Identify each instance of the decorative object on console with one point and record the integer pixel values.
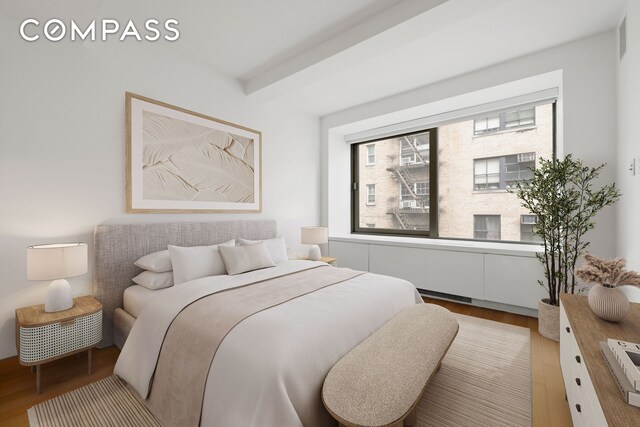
(180, 160)
(56, 262)
(605, 299)
(314, 236)
(562, 197)
(630, 394)
(628, 356)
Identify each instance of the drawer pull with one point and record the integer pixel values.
(578, 407)
(578, 359)
(578, 381)
(568, 330)
(67, 323)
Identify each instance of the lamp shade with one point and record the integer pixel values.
(56, 261)
(314, 235)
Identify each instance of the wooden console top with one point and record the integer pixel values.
(589, 330)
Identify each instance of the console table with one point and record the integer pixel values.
(593, 396)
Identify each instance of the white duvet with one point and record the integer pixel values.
(269, 369)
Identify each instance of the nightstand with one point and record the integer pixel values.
(43, 337)
(329, 260)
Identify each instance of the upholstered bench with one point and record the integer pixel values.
(380, 382)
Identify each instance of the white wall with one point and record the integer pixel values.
(587, 115)
(629, 140)
(62, 148)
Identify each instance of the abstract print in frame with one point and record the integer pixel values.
(182, 161)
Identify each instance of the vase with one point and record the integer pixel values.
(608, 303)
(549, 320)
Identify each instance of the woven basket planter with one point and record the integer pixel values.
(608, 303)
(549, 320)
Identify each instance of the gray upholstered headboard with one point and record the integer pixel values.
(118, 246)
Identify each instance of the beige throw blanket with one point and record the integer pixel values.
(191, 342)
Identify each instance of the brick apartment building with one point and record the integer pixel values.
(478, 161)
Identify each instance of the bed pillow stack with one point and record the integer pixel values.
(158, 272)
(179, 264)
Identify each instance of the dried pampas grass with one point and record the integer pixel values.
(607, 272)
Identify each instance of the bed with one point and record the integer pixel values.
(268, 368)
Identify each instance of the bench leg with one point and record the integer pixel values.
(412, 418)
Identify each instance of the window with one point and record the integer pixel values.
(505, 121)
(526, 117)
(403, 184)
(486, 174)
(486, 124)
(371, 194)
(486, 227)
(422, 188)
(413, 150)
(445, 182)
(527, 224)
(371, 154)
(519, 168)
(503, 172)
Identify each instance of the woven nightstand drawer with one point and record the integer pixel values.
(55, 339)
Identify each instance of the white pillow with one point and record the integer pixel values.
(240, 259)
(194, 262)
(277, 248)
(158, 262)
(153, 281)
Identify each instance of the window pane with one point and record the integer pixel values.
(493, 165)
(371, 154)
(475, 173)
(400, 177)
(486, 227)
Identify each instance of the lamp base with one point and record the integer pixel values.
(58, 296)
(314, 253)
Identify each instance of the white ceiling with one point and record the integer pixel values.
(325, 56)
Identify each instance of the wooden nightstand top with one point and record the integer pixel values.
(29, 317)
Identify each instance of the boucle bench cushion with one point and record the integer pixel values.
(379, 382)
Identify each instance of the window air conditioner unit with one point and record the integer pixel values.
(528, 219)
(408, 203)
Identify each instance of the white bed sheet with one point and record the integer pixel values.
(136, 298)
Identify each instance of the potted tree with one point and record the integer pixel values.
(562, 197)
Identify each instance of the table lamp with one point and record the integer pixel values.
(314, 236)
(56, 262)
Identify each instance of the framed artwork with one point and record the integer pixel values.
(180, 161)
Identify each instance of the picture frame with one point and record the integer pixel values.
(181, 161)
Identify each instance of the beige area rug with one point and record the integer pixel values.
(105, 403)
(485, 380)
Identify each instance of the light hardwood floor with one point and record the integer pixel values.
(17, 383)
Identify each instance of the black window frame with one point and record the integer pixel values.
(432, 233)
(356, 187)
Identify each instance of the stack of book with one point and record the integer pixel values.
(623, 359)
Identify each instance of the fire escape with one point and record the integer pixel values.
(410, 215)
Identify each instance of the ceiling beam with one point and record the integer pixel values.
(337, 52)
